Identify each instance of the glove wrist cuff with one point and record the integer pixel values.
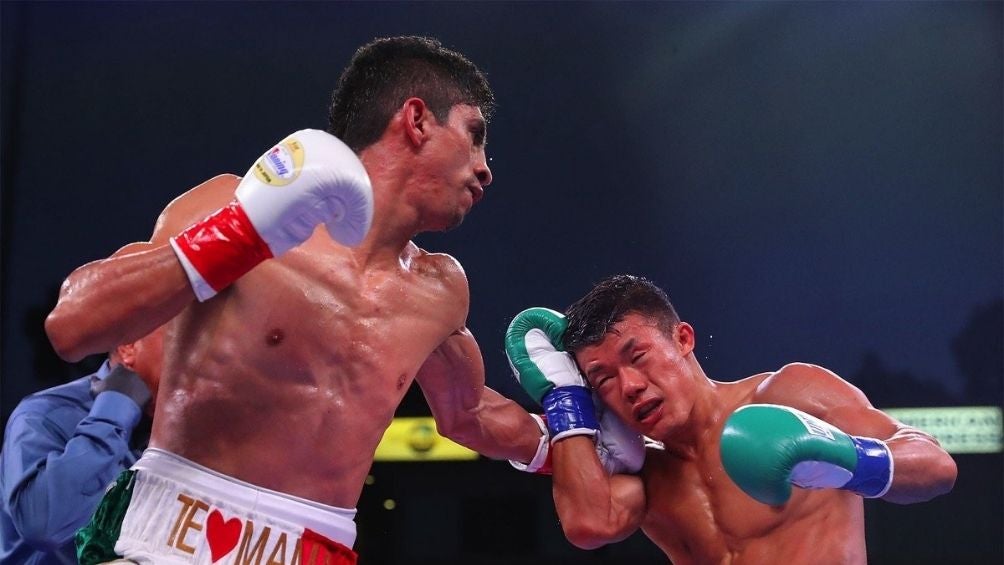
(874, 470)
(541, 462)
(570, 411)
(220, 249)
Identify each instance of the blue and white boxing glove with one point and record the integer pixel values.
(549, 375)
(766, 448)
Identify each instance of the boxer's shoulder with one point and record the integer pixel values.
(441, 282)
(790, 380)
(439, 267)
(807, 387)
(218, 188)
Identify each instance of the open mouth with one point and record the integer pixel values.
(646, 409)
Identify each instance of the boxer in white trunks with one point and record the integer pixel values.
(299, 313)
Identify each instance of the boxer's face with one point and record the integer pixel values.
(642, 374)
(454, 169)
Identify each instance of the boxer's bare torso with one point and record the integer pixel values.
(696, 514)
(683, 499)
(289, 377)
(643, 369)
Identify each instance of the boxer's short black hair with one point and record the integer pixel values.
(387, 71)
(593, 315)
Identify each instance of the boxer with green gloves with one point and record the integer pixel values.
(720, 490)
(767, 448)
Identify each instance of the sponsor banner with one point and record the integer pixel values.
(959, 429)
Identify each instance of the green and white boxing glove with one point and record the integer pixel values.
(533, 345)
(548, 374)
(766, 448)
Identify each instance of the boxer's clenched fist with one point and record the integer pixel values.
(309, 178)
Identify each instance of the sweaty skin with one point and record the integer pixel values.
(683, 500)
(697, 515)
(288, 378)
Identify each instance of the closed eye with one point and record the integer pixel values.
(600, 381)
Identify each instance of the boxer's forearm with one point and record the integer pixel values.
(922, 469)
(495, 427)
(117, 300)
(594, 508)
(467, 411)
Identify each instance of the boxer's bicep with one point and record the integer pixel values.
(453, 379)
(194, 205)
(467, 411)
(138, 288)
(454, 372)
(824, 394)
(922, 469)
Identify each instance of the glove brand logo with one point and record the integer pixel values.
(813, 426)
(279, 159)
(281, 164)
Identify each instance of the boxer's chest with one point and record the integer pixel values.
(322, 313)
(695, 505)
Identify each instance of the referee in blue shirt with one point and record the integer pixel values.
(64, 445)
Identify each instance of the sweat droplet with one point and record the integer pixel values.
(275, 337)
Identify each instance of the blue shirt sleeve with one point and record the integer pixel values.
(56, 466)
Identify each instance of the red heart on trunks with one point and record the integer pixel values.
(221, 535)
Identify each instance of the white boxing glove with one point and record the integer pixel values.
(620, 449)
(309, 178)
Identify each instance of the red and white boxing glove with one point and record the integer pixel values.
(309, 178)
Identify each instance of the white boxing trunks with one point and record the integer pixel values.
(181, 512)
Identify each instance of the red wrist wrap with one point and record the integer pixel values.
(546, 468)
(223, 246)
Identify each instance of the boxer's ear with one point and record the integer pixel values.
(416, 118)
(683, 334)
(126, 354)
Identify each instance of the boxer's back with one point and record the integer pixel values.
(288, 378)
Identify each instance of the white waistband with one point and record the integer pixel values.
(330, 521)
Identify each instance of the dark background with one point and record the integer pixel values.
(809, 181)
